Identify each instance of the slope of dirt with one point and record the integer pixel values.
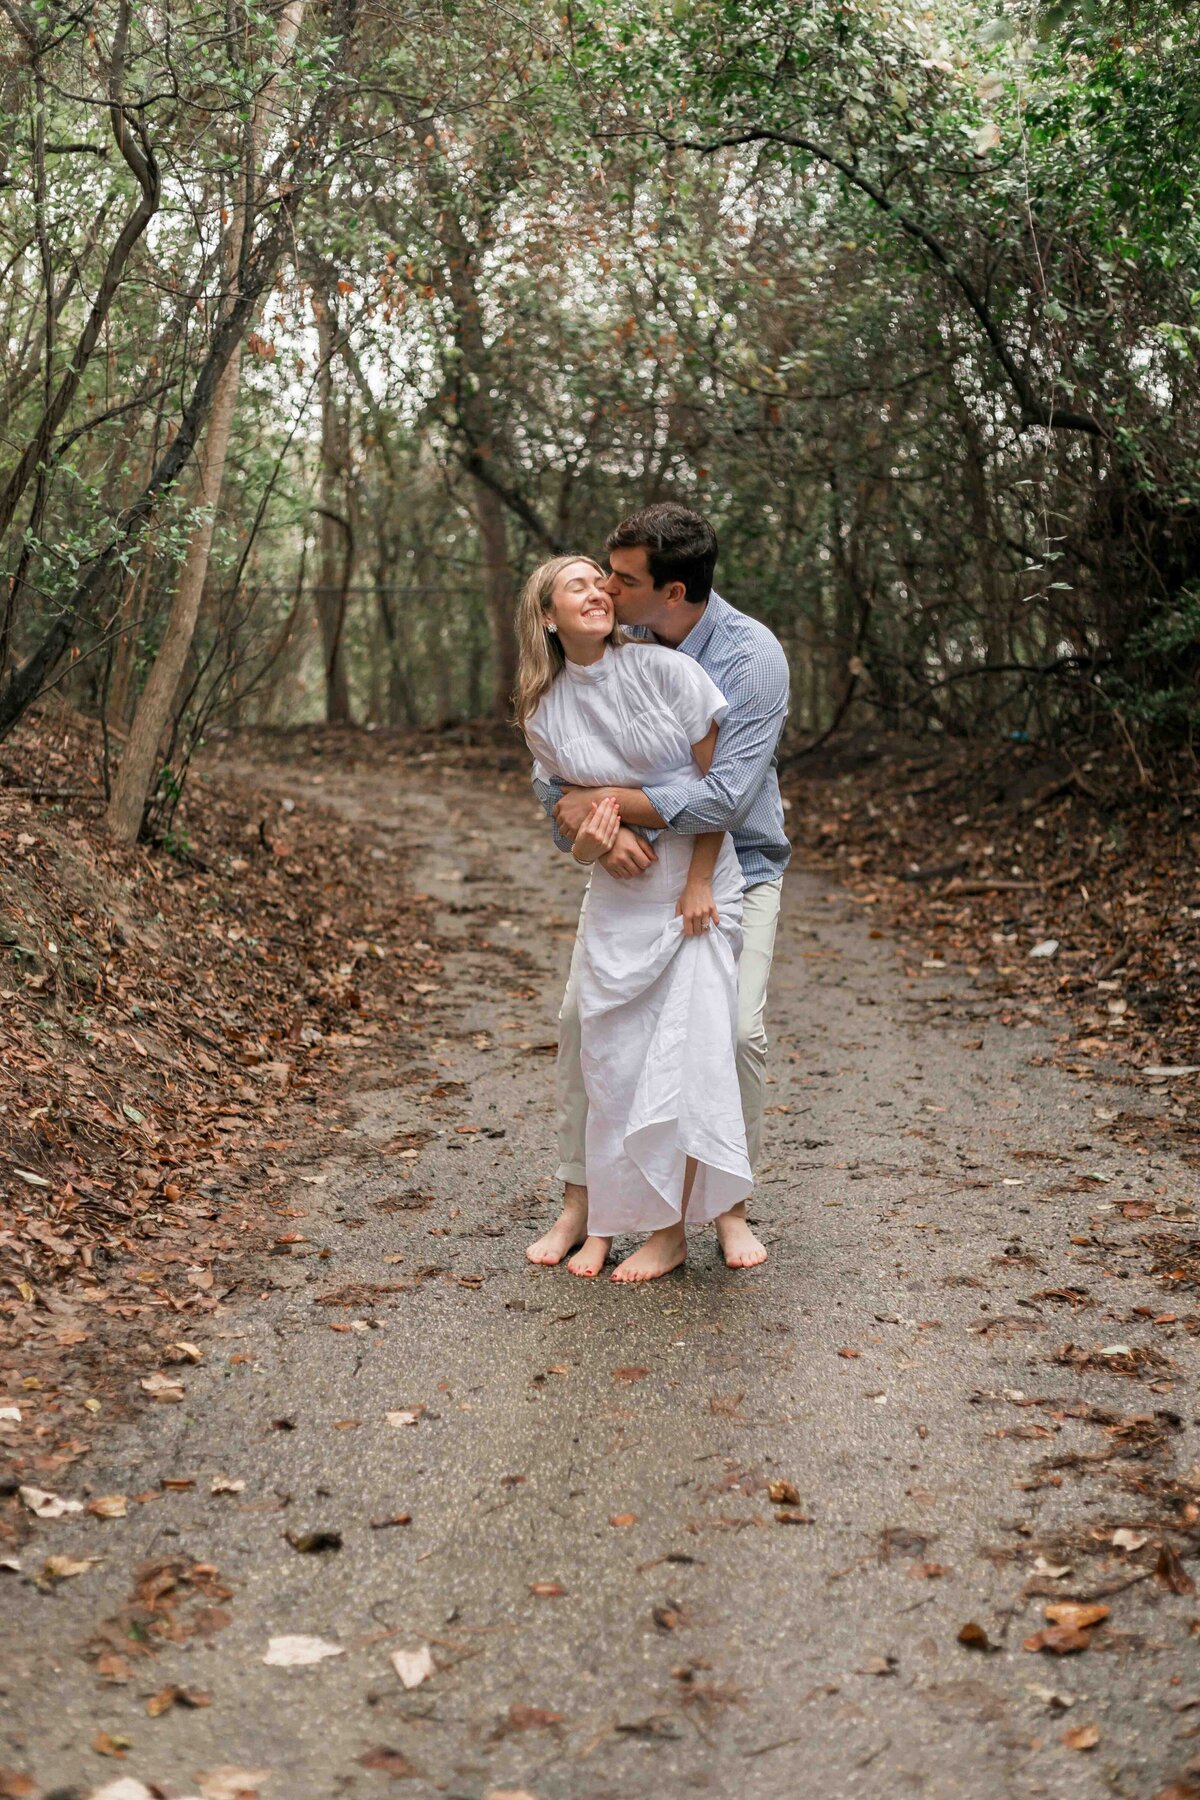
(170, 1023)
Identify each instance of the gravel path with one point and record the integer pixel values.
(612, 1604)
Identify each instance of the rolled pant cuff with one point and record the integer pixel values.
(573, 1172)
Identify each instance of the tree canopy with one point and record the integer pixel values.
(323, 322)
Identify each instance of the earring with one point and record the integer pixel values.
(552, 626)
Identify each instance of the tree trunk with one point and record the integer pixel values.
(137, 773)
(336, 544)
(493, 533)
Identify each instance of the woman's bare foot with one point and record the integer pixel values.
(591, 1257)
(662, 1251)
(739, 1246)
(569, 1229)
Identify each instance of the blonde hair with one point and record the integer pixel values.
(540, 654)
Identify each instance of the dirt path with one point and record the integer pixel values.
(613, 1605)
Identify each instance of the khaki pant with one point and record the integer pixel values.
(760, 916)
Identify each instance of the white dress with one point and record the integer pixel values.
(658, 1010)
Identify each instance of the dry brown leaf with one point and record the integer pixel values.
(1170, 1573)
(388, 1762)
(620, 1520)
(62, 1568)
(547, 1590)
(782, 1493)
(108, 1506)
(111, 1744)
(1077, 1615)
(1082, 1737)
(1060, 1640)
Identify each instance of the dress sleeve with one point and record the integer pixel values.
(692, 694)
(545, 762)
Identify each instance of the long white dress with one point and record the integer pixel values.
(658, 1010)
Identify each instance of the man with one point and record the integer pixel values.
(662, 561)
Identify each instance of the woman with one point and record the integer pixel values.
(658, 991)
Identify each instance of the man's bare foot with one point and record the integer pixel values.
(591, 1257)
(569, 1229)
(662, 1251)
(739, 1246)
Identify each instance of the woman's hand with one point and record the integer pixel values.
(696, 907)
(598, 833)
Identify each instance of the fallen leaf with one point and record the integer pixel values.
(168, 1697)
(1050, 1698)
(313, 1543)
(1082, 1737)
(108, 1506)
(15, 1786)
(396, 1519)
(791, 1515)
(620, 1520)
(402, 1418)
(974, 1637)
(880, 1665)
(221, 1484)
(1077, 1615)
(782, 1493)
(298, 1651)
(62, 1568)
(1124, 1539)
(162, 1387)
(1170, 1573)
(230, 1783)
(124, 1788)
(388, 1762)
(630, 1374)
(850, 1353)
(528, 1718)
(48, 1506)
(183, 1352)
(413, 1666)
(547, 1590)
(111, 1744)
(927, 1571)
(1061, 1640)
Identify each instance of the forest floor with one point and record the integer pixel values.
(915, 1508)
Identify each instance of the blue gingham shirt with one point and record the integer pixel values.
(740, 793)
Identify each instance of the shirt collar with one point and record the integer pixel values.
(589, 672)
(705, 625)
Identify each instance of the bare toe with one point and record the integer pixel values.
(591, 1258)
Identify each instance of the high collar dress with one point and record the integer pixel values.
(658, 1010)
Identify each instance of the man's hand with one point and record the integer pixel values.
(629, 856)
(574, 807)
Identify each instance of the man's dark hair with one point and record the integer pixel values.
(680, 545)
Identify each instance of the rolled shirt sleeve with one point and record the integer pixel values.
(757, 695)
(548, 791)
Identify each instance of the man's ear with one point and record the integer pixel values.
(676, 591)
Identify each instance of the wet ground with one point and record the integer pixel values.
(951, 1361)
